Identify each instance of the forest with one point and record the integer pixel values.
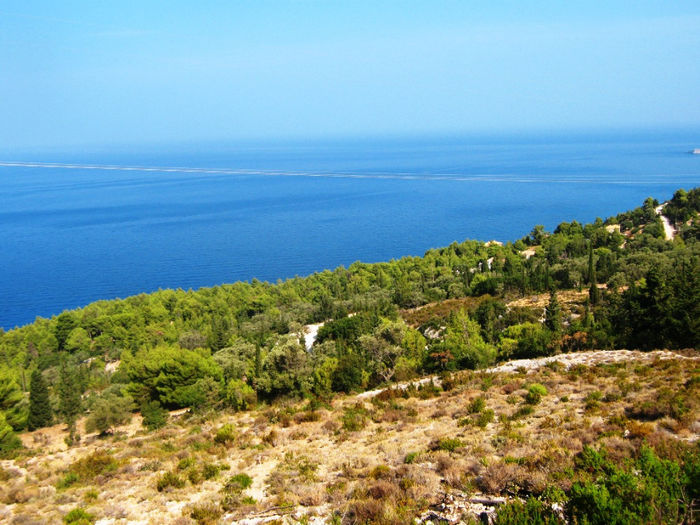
(239, 345)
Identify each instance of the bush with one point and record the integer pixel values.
(485, 418)
(169, 479)
(532, 512)
(226, 434)
(477, 405)
(238, 483)
(194, 476)
(107, 412)
(535, 393)
(205, 513)
(186, 463)
(239, 395)
(380, 472)
(522, 412)
(449, 444)
(649, 490)
(88, 467)
(71, 478)
(8, 439)
(411, 457)
(154, 416)
(169, 374)
(78, 516)
(210, 471)
(592, 399)
(354, 418)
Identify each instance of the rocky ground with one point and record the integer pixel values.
(437, 454)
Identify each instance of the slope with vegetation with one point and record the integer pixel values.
(610, 284)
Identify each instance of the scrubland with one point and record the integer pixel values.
(431, 452)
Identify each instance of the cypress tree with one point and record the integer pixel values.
(552, 319)
(593, 292)
(40, 414)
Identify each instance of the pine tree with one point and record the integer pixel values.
(12, 400)
(8, 440)
(40, 414)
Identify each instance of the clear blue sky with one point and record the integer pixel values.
(90, 72)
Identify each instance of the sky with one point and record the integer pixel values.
(77, 73)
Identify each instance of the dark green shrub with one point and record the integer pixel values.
(485, 418)
(194, 476)
(648, 490)
(411, 457)
(109, 411)
(226, 434)
(169, 479)
(535, 393)
(477, 405)
(210, 471)
(449, 444)
(71, 478)
(8, 439)
(522, 412)
(532, 512)
(186, 463)
(154, 416)
(78, 516)
(86, 468)
(239, 395)
(592, 399)
(238, 483)
(354, 418)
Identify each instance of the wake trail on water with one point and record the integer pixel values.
(456, 177)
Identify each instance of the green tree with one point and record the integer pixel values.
(525, 340)
(109, 411)
(593, 292)
(168, 374)
(65, 323)
(240, 395)
(236, 361)
(8, 440)
(40, 413)
(220, 333)
(154, 416)
(78, 340)
(465, 345)
(286, 369)
(69, 399)
(12, 400)
(552, 317)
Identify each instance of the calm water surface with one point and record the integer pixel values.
(69, 236)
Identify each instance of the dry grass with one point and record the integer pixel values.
(382, 460)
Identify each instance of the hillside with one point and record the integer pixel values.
(425, 452)
(213, 405)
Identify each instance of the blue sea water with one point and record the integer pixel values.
(72, 235)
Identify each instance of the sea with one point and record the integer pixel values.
(91, 223)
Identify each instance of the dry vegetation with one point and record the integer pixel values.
(403, 453)
(440, 311)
